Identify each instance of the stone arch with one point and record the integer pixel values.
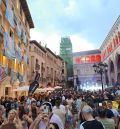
(111, 73)
(118, 67)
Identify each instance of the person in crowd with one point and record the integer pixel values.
(80, 115)
(53, 126)
(13, 119)
(109, 113)
(45, 117)
(90, 122)
(59, 109)
(70, 101)
(33, 109)
(2, 117)
(2, 100)
(7, 105)
(115, 112)
(26, 118)
(12, 104)
(29, 100)
(78, 102)
(108, 123)
(75, 112)
(16, 103)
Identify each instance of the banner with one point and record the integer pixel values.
(24, 37)
(21, 78)
(18, 53)
(3, 72)
(8, 46)
(9, 14)
(34, 85)
(18, 27)
(25, 60)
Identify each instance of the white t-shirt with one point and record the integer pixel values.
(62, 107)
(54, 119)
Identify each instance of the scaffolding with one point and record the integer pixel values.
(66, 54)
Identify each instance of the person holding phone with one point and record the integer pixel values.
(45, 117)
(13, 119)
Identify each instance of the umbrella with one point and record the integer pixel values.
(40, 90)
(49, 89)
(58, 87)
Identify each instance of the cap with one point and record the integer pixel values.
(87, 109)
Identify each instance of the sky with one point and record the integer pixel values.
(86, 22)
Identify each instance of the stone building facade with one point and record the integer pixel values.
(110, 53)
(84, 75)
(37, 59)
(47, 63)
(15, 24)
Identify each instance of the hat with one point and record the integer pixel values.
(87, 109)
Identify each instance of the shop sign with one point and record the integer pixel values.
(3, 72)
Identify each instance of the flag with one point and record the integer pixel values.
(35, 84)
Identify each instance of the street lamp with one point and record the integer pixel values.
(100, 68)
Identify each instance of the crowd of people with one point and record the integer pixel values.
(65, 109)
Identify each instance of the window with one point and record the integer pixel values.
(6, 90)
(11, 33)
(34, 49)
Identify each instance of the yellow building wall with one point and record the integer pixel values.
(13, 64)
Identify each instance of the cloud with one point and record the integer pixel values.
(53, 41)
(71, 7)
(81, 44)
(87, 21)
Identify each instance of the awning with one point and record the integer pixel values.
(9, 86)
(22, 88)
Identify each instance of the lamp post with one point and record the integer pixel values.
(100, 68)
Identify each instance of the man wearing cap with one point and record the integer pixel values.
(90, 122)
